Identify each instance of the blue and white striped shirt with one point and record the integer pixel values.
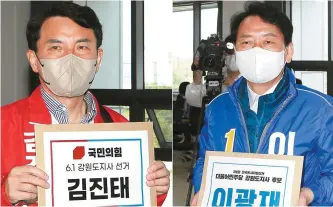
(60, 112)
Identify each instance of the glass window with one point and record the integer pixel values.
(313, 79)
(208, 20)
(109, 14)
(157, 47)
(126, 45)
(115, 70)
(182, 46)
(229, 9)
(123, 110)
(164, 118)
(310, 38)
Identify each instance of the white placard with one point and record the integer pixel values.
(232, 179)
(95, 165)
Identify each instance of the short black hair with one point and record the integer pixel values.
(81, 15)
(182, 87)
(267, 13)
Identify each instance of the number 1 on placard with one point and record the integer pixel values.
(230, 136)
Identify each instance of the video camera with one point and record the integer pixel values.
(211, 61)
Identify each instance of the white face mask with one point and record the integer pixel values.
(68, 76)
(230, 62)
(258, 65)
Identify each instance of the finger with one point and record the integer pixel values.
(22, 196)
(30, 179)
(32, 201)
(301, 201)
(159, 182)
(36, 172)
(25, 187)
(27, 169)
(162, 189)
(158, 174)
(156, 166)
(195, 200)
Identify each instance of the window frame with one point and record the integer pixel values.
(310, 65)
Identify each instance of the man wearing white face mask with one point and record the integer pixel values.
(64, 50)
(266, 103)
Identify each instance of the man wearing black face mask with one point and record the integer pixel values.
(265, 111)
(64, 50)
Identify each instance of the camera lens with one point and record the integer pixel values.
(210, 62)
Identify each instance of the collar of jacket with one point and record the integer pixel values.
(39, 114)
(285, 88)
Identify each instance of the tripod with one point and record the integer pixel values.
(205, 100)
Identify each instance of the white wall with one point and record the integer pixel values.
(169, 199)
(310, 38)
(14, 65)
(310, 20)
(229, 9)
(157, 26)
(110, 15)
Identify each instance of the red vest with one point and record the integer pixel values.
(18, 137)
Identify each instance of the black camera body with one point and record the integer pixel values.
(212, 53)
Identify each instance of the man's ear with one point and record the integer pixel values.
(33, 61)
(100, 54)
(289, 52)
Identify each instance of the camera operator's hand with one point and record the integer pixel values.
(197, 77)
(22, 181)
(196, 61)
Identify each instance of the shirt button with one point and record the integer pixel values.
(63, 108)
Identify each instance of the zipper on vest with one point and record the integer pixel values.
(245, 127)
(270, 121)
